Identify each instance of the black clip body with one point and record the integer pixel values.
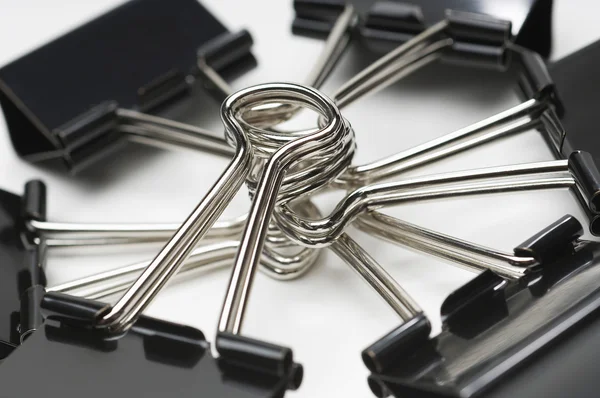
(22, 275)
(154, 359)
(509, 339)
(568, 122)
(142, 55)
(576, 83)
(389, 23)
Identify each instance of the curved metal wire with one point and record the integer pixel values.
(320, 233)
(279, 153)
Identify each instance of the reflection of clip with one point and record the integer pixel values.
(156, 64)
(494, 326)
(387, 24)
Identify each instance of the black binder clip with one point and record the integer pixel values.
(21, 271)
(125, 349)
(543, 108)
(152, 359)
(387, 23)
(140, 56)
(27, 237)
(507, 339)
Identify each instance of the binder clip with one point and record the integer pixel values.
(106, 327)
(152, 358)
(138, 57)
(29, 236)
(26, 239)
(78, 329)
(542, 109)
(503, 338)
(573, 82)
(387, 24)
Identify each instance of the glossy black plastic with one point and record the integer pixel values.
(21, 265)
(585, 170)
(386, 351)
(34, 200)
(254, 354)
(530, 21)
(569, 86)
(577, 83)
(533, 77)
(553, 241)
(154, 359)
(105, 61)
(477, 28)
(97, 121)
(387, 24)
(523, 351)
(71, 310)
(227, 49)
(317, 17)
(482, 299)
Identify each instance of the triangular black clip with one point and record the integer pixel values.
(516, 354)
(142, 55)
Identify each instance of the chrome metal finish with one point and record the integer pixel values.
(157, 131)
(336, 43)
(320, 233)
(271, 191)
(82, 234)
(213, 80)
(473, 256)
(412, 62)
(285, 159)
(376, 276)
(126, 310)
(515, 120)
(362, 80)
(203, 258)
(412, 55)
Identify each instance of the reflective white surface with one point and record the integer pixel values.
(330, 315)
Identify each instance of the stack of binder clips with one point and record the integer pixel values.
(523, 326)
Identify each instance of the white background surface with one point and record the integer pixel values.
(330, 315)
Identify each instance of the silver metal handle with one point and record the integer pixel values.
(126, 310)
(474, 257)
(512, 121)
(391, 65)
(276, 265)
(376, 276)
(320, 233)
(283, 151)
